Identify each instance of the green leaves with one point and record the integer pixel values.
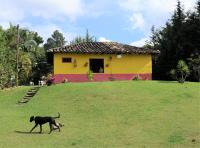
(28, 54)
(177, 40)
(182, 67)
(87, 38)
(181, 71)
(194, 65)
(56, 40)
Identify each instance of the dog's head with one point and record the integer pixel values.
(31, 118)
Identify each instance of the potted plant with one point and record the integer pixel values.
(86, 64)
(90, 75)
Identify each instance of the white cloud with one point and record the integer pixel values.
(5, 25)
(154, 5)
(103, 39)
(57, 8)
(134, 5)
(62, 10)
(151, 12)
(14, 11)
(9, 12)
(140, 42)
(51, 13)
(137, 21)
(46, 30)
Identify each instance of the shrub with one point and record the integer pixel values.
(90, 75)
(136, 78)
(50, 80)
(181, 72)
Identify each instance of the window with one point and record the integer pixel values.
(66, 60)
(97, 65)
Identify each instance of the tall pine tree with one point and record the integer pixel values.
(178, 40)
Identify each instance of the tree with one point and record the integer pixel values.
(87, 38)
(7, 57)
(19, 53)
(194, 65)
(6, 61)
(56, 40)
(177, 40)
(38, 39)
(198, 8)
(181, 71)
(29, 54)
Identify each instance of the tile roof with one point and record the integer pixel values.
(102, 48)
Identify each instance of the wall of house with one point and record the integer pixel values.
(124, 68)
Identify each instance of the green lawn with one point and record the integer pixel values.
(146, 114)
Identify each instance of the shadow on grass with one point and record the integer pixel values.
(24, 132)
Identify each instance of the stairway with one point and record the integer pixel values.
(29, 95)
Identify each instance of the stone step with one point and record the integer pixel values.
(23, 101)
(33, 90)
(29, 95)
(27, 98)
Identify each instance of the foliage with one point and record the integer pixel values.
(90, 75)
(181, 72)
(7, 63)
(56, 40)
(194, 65)
(50, 79)
(87, 38)
(136, 78)
(24, 43)
(177, 40)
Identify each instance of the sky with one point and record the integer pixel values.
(124, 21)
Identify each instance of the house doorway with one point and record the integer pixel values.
(97, 65)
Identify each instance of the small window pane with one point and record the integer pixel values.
(66, 60)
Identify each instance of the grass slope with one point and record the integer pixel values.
(110, 114)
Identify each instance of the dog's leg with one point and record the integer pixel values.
(50, 126)
(33, 128)
(58, 127)
(40, 128)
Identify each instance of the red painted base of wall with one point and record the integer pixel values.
(58, 78)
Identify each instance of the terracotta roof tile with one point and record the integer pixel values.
(103, 48)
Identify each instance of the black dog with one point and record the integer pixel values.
(42, 120)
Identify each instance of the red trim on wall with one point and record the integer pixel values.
(99, 77)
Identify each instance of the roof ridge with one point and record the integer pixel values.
(103, 48)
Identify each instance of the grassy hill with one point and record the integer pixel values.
(110, 114)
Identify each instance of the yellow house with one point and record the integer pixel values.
(101, 61)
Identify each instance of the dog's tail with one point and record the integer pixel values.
(57, 116)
